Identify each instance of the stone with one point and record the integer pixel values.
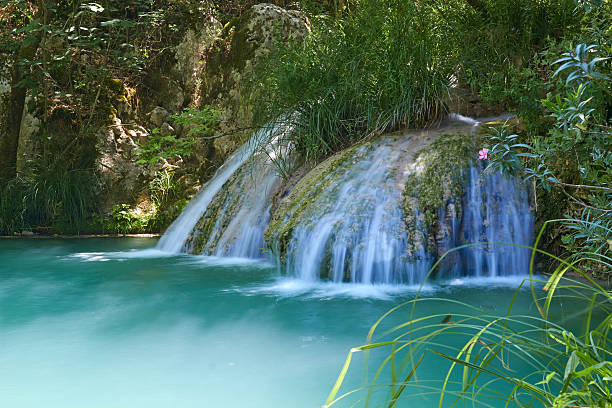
(190, 52)
(241, 45)
(464, 101)
(158, 116)
(30, 126)
(166, 130)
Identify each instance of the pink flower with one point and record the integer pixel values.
(483, 154)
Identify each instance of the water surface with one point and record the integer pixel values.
(111, 323)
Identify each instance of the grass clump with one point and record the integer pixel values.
(56, 198)
(379, 68)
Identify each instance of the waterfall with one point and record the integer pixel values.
(352, 225)
(177, 234)
(351, 219)
(353, 230)
(496, 211)
(234, 225)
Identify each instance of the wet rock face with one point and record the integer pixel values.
(460, 203)
(343, 220)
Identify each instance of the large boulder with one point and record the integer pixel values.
(422, 193)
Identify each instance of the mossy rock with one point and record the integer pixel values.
(240, 46)
(437, 184)
(291, 209)
(221, 209)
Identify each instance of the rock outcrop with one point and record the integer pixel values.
(207, 66)
(395, 204)
(243, 43)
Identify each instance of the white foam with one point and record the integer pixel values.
(177, 258)
(121, 255)
(511, 281)
(289, 287)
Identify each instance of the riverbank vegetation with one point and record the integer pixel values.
(562, 364)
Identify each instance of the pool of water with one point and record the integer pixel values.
(111, 323)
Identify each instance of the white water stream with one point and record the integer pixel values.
(175, 236)
(354, 230)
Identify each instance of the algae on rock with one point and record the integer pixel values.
(438, 182)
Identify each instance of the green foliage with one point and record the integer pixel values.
(55, 197)
(574, 155)
(158, 146)
(503, 152)
(168, 199)
(125, 221)
(380, 68)
(198, 122)
(498, 46)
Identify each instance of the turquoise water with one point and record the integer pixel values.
(109, 323)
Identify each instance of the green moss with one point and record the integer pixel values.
(299, 203)
(438, 178)
(221, 209)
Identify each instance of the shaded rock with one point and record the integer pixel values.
(231, 59)
(465, 102)
(30, 126)
(158, 116)
(189, 54)
(123, 179)
(166, 130)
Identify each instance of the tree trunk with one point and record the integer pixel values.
(9, 133)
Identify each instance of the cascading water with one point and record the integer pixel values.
(349, 226)
(352, 224)
(496, 211)
(234, 224)
(177, 234)
(355, 231)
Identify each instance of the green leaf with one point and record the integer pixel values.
(549, 377)
(571, 365)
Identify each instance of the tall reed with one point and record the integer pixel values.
(564, 367)
(380, 68)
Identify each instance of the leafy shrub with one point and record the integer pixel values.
(197, 122)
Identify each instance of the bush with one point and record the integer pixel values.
(62, 199)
